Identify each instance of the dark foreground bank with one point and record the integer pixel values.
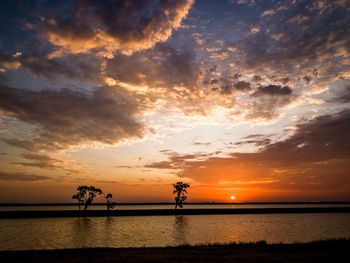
(165, 212)
(319, 251)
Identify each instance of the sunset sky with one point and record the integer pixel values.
(235, 97)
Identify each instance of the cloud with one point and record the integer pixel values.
(260, 142)
(316, 157)
(201, 143)
(313, 141)
(268, 100)
(273, 90)
(163, 66)
(317, 35)
(123, 26)
(39, 160)
(4, 176)
(343, 96)
(71, 118)
(75, 66)
(242, 85)
(269, 12)
(8, 62)
(176, 161)
(243, 2)
(304, 44)
(179, 161)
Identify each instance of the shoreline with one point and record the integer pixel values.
(188, 203)
(168, 212)
(336, 250)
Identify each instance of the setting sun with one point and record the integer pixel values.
(232, 197)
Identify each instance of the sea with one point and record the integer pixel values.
(161, 231)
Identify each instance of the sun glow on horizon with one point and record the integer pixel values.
(232, 197)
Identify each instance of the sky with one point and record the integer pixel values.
(241, 98)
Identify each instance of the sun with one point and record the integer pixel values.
(232, 197)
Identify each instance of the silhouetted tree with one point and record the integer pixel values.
(92, 192)
(180, 191)
(86, 194)
(80, 196)
(110, 204)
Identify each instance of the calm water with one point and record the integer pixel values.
(166, 206)
(168, 230)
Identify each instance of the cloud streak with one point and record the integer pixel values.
(4, 176)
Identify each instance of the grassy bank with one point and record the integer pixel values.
(319, 251)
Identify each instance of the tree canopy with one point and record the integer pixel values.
(85, 195)
(180, 193)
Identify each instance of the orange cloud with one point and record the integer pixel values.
(312, 163)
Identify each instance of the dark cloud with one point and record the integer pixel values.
(81, 67)
(254, 136)
(163, 66)
(242, 85)
(259, 140)
(72, 66)
(24, 144)
(257, 78)
(268, 100)
(67, 117)
(273, 90)
(314, 141)
(125, 26)
(226, 89)
(4, 176)
(307, 79)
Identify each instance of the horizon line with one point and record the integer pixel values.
(171, 203)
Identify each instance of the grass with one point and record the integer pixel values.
(333, 250)
(263, 243)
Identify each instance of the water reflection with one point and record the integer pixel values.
(153, 231)
(110, 224)
(180, 229)
(82, 231)
(109, 221)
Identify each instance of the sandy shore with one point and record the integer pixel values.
(321, 251)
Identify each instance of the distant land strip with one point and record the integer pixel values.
(192, 203)
(169, 212)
